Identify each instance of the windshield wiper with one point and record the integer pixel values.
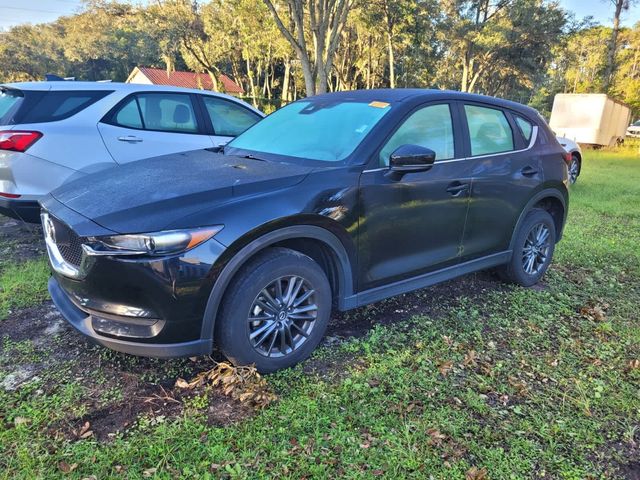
(252, 157)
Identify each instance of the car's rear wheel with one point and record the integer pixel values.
(533, 249)
(574, 169)
(275, 311)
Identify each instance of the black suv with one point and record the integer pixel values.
(338, 200)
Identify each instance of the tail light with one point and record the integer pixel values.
(567, 158)
(9, 195)
(18, 140)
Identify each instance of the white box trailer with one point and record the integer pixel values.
(590, 118)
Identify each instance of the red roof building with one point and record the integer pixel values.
(158, 76)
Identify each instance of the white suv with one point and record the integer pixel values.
(54, 132)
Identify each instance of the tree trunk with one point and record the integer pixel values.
(252, 84)
(613, 43)
(392, 73)
(284, 98)
(214, 80)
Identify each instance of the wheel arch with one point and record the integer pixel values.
(312, 240)
(553, 201)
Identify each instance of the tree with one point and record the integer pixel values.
(322, 21)
(500, 46)
(619, 5)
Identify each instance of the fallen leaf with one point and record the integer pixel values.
(436, 437)
(21, 421)
(470, 358)
(445, 367)
(633, 364)
(594, 312)
(149, 472)
(65, 467)
(475, 473)
(182, 383)
(85, 431)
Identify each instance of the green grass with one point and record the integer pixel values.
(22, 285)
(533, 386)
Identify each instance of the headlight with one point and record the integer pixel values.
(158, 243)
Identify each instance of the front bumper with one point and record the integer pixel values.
(151, 306)
(83, 322)
(25, 210)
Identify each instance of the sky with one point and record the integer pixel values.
(38, 11)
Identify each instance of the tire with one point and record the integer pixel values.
(253, 293)
(521, 269)
(574, 169)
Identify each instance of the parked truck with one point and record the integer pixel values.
(590, 118)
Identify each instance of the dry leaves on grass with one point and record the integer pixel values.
(84, 431)
(470, 359)
(633, 365)
(435, 436)
(596, 312)
(445, 367)
(240, 383)
(64, 467)
(475, 473)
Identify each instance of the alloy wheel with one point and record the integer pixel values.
(573, 171)
(536, 249)
(282, 316)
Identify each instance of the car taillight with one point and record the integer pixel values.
(567, 158)
(18, 140)
(9, 195)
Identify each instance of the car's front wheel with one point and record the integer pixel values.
(533, 249)
(275, 311)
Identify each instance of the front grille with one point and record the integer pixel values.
(69, 243)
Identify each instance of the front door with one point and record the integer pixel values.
(414, 224)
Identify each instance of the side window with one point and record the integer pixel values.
(228, 119)
(489, 130)
(526, 128)
(129, 115)
(429, 127)
(165, 112)
(168, 112)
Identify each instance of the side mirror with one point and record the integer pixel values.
(411, 159)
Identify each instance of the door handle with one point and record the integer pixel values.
(529, 171)
(456, 189)
(130, 139)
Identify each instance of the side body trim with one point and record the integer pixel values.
(426, 280)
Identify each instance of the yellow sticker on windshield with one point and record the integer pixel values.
(379, 104)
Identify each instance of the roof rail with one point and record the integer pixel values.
(50, 77)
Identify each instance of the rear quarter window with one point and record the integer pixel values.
(10, 101)
(58, 105)
(525, 126)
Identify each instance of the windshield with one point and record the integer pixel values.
(315, 130)
(637, 124)
(9, 103)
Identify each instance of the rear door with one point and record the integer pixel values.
(151, 124)
(505, 170)
(227, 119)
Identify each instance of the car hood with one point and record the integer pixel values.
(147, 195)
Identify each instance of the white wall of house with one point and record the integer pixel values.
(139, 77)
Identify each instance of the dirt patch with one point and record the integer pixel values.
(429, 302)
(118, 390)
(20, 241)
